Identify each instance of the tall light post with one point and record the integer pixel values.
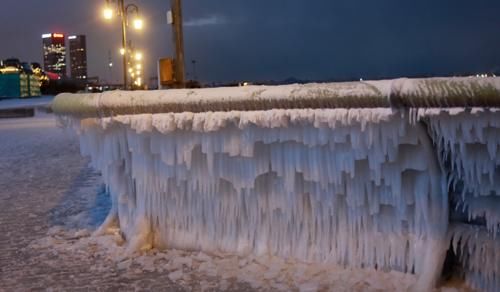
(135, 67)
(123, 12)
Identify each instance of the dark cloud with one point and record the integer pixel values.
(276, 39)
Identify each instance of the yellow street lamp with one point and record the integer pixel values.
(107, 12)
(138, 24)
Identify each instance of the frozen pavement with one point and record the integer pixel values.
(50, 202)
(44, 182)
(42, 101)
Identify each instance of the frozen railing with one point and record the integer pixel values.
(409, 93)
(358, 174)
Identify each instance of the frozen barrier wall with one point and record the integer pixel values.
(354, 187)
(358, 187)
(468, 143)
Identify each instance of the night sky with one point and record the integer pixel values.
(262, 40)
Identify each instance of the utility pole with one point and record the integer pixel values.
(123, 13)
(179, 43)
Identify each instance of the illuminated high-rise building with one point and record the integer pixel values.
(78, 56)
(54, 53)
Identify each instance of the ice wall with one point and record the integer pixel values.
(356, 187)
(468, 143)
(359, 187)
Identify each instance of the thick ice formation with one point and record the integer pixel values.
(358, 187)
(479, 255)
(468, 141)
(354, 187)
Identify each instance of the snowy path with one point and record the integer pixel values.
(43, 181)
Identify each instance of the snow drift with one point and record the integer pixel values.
(358, 187)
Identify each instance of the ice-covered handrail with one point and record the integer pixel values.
(430, 92)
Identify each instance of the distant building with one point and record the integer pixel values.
(54, 53)
(78, 56)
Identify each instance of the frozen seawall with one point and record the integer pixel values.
(385, 174)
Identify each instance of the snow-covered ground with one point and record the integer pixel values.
(51, 202)
(44, 182)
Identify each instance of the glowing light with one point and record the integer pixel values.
(138, 66)
(57, 35)
(72, 37)
(9, 70)
(110, 64)
(46, 35)
(122, 51)
(107, 13)
(138, 23)
(138, 56)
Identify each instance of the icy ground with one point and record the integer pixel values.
(51, 202)
(26, 102)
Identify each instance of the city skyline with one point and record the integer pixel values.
(257, 41)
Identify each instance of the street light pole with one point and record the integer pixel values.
(123, 11)
(123, 14)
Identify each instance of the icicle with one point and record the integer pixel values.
(355, 187)
(479, 255)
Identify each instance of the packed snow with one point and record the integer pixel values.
(220, 271)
